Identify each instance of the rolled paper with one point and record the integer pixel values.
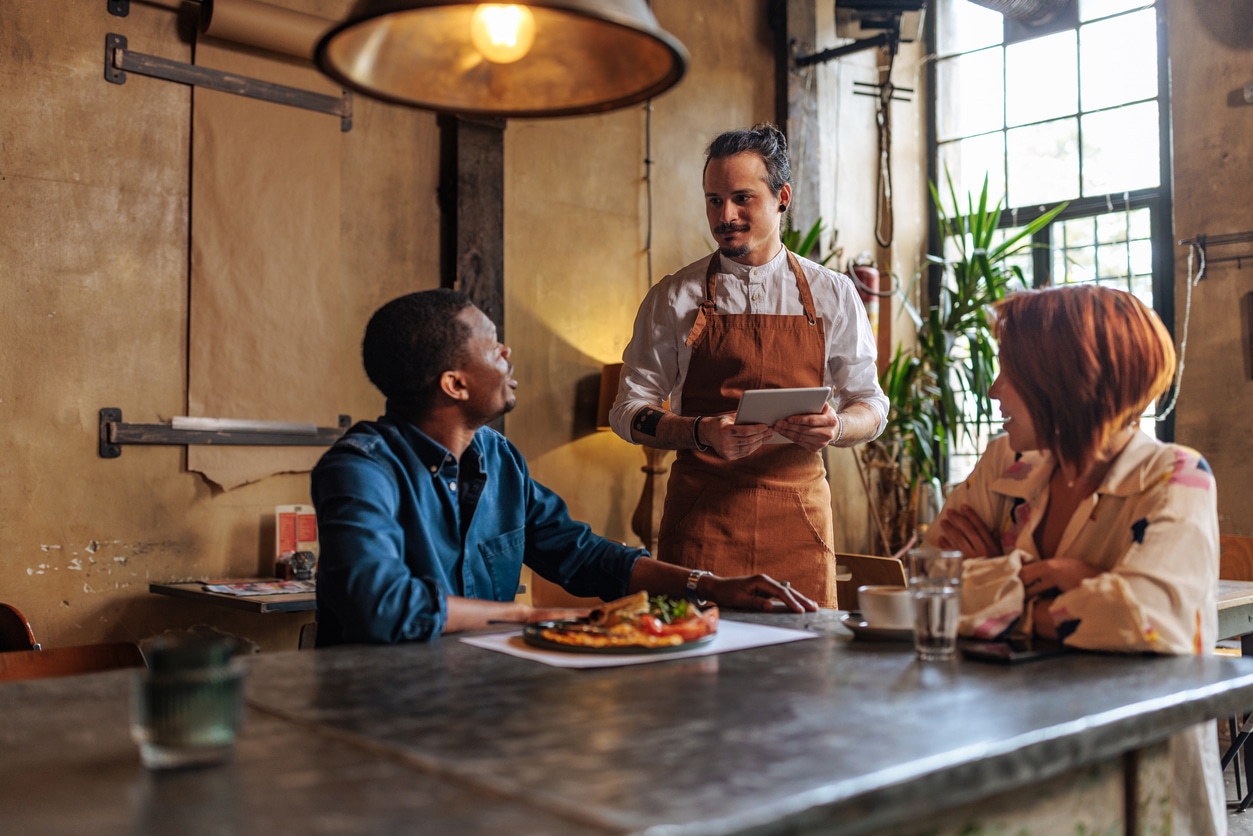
(185, 422)
(262, 25)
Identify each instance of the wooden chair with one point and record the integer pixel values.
(866, 570)
(1235, 563)
(66, 661)
(1235, 557)
(308, 636)
(15, 631)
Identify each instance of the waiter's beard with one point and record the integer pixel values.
(732, 252)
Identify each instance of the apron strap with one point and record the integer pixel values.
(708, 307)
(802, 284)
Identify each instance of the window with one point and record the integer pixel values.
(1075, 114)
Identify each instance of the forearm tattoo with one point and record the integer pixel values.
(647, 420)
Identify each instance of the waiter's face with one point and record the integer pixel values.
(743, 214)
(487, 371)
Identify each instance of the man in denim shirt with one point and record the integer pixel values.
(426, 516)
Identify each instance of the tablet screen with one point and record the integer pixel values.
(765, 406)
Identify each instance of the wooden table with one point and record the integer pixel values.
(286, 602)
(830, 735)
(1235, 613)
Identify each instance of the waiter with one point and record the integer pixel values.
(750, 316)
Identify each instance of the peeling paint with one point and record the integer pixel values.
(76, 565)
(48, 547)
(92, 546)
(121, 560)
(30, 571)
(87, 588)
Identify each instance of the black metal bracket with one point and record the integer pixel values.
(119, 8)
(878, 91)
(1204, 242)
(890, 38)
(114, 433)
(118, 60)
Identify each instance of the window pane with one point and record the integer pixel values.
(1092, 9)
(1111, 229)
(1142, 287)
(1074, 233)
(973, 94)
(962, 26)
(1074, 266)
(1111, 263)
(1041, 79)
(1043, 165)
(1118, 60)
(1141, 257)
(1120, 149)
(969, 161)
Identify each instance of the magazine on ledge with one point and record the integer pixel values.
(261, 587)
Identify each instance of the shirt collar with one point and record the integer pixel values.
(741, 271)
(431, 453)
(1030, 471)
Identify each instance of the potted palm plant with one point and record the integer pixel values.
(938, 388)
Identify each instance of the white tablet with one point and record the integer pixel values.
(765, 406)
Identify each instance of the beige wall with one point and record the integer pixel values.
(94, 223)
(1211, 59)
(94, 218)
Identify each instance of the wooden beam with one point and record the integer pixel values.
(796, 106)
(472, 212)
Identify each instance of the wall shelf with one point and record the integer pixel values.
(114, 433)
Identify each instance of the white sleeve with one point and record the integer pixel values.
(852, 353)
(650, 370)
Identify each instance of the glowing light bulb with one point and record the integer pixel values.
(501, 33)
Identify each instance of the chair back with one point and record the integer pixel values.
(66, 661)
(308, 636)
(15, 632)
(1235, 558)
(866, 570)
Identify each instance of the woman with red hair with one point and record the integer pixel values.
(1079, 526)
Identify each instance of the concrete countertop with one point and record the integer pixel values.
(829, 732)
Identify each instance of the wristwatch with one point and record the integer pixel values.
(692, 580)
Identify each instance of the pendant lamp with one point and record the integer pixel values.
(542, 58)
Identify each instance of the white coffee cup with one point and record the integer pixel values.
(887, 607)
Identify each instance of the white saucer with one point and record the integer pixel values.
(863, 630)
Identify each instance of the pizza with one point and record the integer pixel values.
(636, 621)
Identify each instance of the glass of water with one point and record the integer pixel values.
(935, 577)
(187, 705)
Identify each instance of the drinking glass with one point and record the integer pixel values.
(187, 704)
(935, 579)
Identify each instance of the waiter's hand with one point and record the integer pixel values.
(731, 440)
(813, 432)
(756, 592)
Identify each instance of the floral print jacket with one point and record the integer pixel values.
(1152, 526)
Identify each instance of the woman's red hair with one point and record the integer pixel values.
(1086, 360)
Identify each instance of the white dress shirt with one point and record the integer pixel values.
(656, 359)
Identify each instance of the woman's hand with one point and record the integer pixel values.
(965, 532)
(1042, 619)
(1060, 574)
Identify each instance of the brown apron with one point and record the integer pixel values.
(769, 512)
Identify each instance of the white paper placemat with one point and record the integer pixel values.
(732, 635)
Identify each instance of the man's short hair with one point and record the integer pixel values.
(1086, 361)
(411, 341)
(764, 140)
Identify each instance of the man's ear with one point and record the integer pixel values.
(452, 384)
(785, 195)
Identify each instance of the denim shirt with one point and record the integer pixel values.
(403, 524)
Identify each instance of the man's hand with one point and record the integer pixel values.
(754, 592)
(1057, 573)
(730, 440)
(812, 432)
(965, 532)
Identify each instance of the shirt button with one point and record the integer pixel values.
(434, 469)
(452, 486)
(756, 297)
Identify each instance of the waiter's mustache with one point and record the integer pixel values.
(722, 229)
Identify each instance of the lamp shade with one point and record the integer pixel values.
(584, 56)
